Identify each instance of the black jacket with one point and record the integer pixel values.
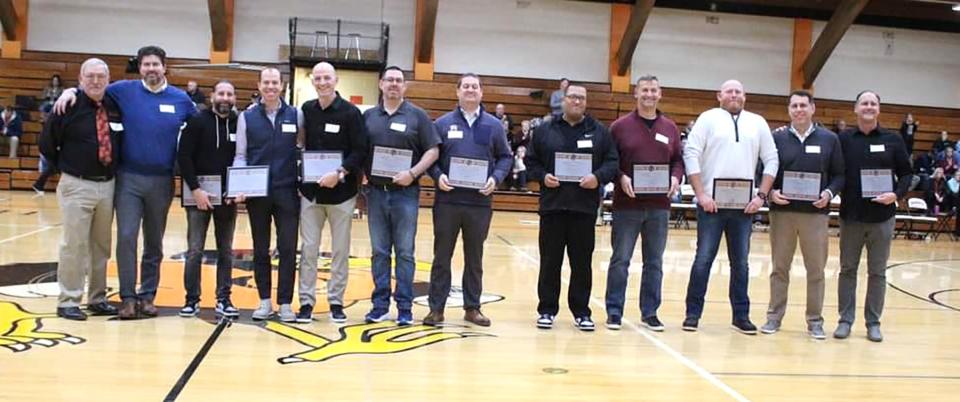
(559, 136)
(207, 147)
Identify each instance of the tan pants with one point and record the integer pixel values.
(811, 231)
(87, 209)
(312, 219)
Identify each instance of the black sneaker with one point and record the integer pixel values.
(744, 327)
(613, 322)
(653, 324)
(305, 316)
(690, 324)
(191, 309)
(336, 313)
(226, 309)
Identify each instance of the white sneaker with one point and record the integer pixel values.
(265, 311)
(287, 314)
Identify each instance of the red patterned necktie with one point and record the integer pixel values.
(104, 151)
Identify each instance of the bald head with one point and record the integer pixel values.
(325, 81)
(731, 96)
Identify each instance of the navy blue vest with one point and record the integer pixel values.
(268, 145)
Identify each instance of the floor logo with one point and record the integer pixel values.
(377, 338)
(20, 329)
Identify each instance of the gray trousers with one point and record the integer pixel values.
(786, 228)
(853, 237)
(87, 210)
(141, 200)
(448, 221)
(312, 218)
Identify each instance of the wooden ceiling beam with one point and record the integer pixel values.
(846, 12)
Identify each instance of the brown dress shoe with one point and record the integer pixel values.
(128, 310)
(434, 318)
(475, 316)
(147, 308)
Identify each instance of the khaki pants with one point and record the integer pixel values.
(312, 218)
(87, 209)
(811, 231)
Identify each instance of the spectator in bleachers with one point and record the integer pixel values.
(503, 116)
(50, 95)
(953, 191)
(923, 168)
(948, 163)
(936, 195)
(519, 177)
(907, 131)
(941, 144)
(556, 98)
(522, 137)
(840, 126)
(11, 127)
(196, 95)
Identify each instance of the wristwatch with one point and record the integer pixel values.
(763, 196)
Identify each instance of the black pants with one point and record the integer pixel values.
(224, 222)
(282, 206)
(448, 220)
(573, 232)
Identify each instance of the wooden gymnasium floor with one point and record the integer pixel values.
(43, 358)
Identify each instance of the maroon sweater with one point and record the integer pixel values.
(637, 143)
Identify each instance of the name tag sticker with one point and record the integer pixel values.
(288, 128)
(331, 128)
(455, 134)
(232, 137)
(167, 109)
(116, 126)
(813, 149)
(662, 138)
(401, 127)
(585, 144)
(877, 148)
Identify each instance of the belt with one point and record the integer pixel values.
(96, 178)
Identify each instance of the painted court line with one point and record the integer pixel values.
(702, 372)
(9, 239)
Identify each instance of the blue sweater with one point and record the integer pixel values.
(484, 140)
(151, 123)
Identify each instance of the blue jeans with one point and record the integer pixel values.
(627, 225)
(141, 200)
(736, 225)
(392, 220)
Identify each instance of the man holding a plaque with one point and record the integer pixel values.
(207, 148)
(474, 158)
(811, 172)
(572, 157)
(83, 143)
(721, 158)
(335, 150)
(878, 173)
(267, 138)
(403, 145)
(651, 166)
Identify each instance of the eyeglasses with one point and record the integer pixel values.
(393, 80)
(577, 98)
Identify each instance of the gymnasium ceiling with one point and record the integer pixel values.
(929, 15)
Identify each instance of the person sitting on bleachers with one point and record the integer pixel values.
(948, 162)
(936, 195)
(953, 199)
(922, 168)
(50, 95)
(11, 127)
(941, 144)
